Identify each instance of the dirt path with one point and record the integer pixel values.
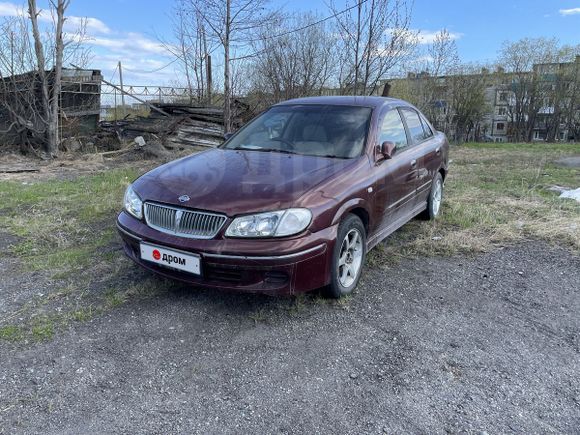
(434, 345)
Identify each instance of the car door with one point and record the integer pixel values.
(395, 178)
(431, 159)
(422, 142)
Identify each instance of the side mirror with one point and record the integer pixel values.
(228, 135)
(388, 149)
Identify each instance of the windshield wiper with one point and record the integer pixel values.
(269, 150)
(332, 156)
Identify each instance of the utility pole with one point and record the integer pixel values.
(122, 92)
(357, 48)
(208, 75)
(227, 89)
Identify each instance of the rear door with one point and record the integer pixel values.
(396, 178)
(423, 141)
(431, 160)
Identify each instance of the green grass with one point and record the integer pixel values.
(61, 223)
(11, 333)
(534, 147)
(114, 297)
(65, 227)
(43, 329)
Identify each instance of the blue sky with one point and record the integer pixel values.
(126, 29)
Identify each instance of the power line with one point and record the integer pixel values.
(153, 70)
(279, 35)
(359, 3)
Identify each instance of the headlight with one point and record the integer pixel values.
(272, 224)
(133, 203)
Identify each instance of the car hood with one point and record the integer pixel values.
(236, 182)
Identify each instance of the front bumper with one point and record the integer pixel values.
(273, 266)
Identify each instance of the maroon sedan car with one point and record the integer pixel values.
(291, 202)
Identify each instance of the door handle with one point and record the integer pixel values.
(413, 163)
(438, 150)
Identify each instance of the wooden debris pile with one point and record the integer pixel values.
(185, 125)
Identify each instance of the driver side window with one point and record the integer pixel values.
(393, 130)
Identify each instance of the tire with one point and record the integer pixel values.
(348, 257)
(435, 198)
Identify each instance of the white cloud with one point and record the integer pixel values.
(428, 36)
(136, 68)
(9, 10)
(422, 36)
(72, 23)
(145, 60)
(572, 11)
(130, 43)
(94, 25)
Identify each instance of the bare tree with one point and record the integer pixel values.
(428, 85)
(31, 64)
(18, 103)
(442, 54)
(570, 103)
(559, 84)
(294, 64)
(374, 38)
(232, 24)
(517, 59)
(50, 100)
(467, 104)
(191, 48)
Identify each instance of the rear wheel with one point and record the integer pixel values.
(435, 198)
(348, 257)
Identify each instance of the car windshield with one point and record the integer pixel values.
(315, 130)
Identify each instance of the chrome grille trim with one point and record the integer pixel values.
(192, 224)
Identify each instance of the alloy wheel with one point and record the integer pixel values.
(350, 259)
(437, 194)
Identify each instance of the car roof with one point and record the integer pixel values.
(346, 100)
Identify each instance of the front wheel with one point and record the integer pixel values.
(348, 256)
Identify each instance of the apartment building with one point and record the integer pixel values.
(546, 101)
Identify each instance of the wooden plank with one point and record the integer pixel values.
(201, 131)
(16, 170)
(116, 152)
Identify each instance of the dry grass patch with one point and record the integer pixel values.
(495, 194)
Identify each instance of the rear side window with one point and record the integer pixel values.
(426, 128)
(414, 125)
(393, 130)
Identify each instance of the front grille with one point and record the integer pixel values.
(182, 222)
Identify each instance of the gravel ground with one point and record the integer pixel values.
(489, 343)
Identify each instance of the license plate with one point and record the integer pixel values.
(170, 258)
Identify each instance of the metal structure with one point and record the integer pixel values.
(140, 96)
